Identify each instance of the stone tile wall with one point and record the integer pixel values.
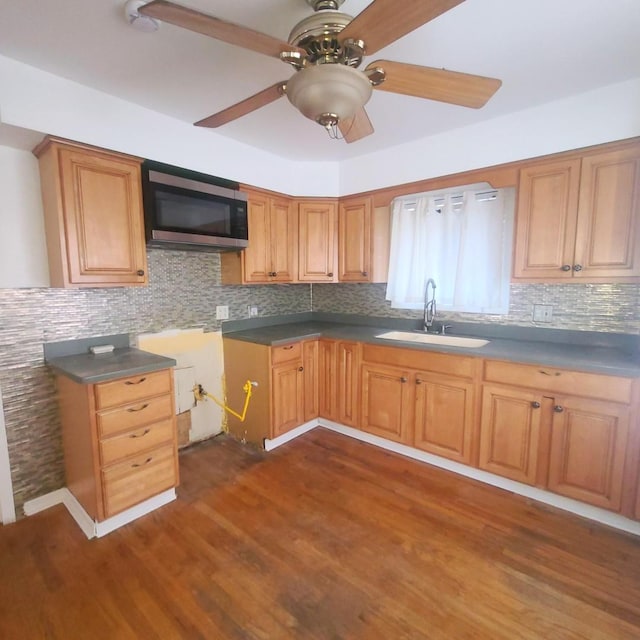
(581, 307)
(184, 290)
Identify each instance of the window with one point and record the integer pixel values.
(462, 239)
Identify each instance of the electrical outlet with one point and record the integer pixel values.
(542, 312)
(253, 311)
(222, 312)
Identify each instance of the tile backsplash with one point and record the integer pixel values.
(183, 292)
(581, 307)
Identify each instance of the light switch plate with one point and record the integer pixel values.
(222, 312)
(542, 312)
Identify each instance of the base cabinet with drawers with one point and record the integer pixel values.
(119, 439)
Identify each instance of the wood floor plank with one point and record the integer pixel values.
(325, 538)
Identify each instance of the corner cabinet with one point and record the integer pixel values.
(119, 439)
(317, 234)
(93, 216)
(271, 254)
(578, 218)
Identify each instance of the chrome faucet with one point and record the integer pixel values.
(429, 303)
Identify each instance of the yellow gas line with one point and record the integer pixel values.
(200, 394)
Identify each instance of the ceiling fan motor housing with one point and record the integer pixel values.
(318, 36)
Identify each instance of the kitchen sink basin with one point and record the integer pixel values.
(431, 338)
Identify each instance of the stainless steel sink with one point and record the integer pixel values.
(430, 338)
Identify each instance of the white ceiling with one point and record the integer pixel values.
(542, 50)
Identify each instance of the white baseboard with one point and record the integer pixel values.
(270, 445)
(567, 504)
(89, 526)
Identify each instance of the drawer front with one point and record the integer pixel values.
(447, 363)
(135, 415)
(134, 442)
(577, 383)
(125, 390)
(128, 483)
(286, 352)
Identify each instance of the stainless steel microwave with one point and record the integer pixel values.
(190, 210)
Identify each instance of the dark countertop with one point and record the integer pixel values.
(581, 356)
(88, 368)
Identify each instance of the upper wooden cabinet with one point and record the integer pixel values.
(94, 224)
(270, 256)
(579, 218)
(363, 241)
(317, 235)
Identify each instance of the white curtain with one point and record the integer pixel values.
(460, 240)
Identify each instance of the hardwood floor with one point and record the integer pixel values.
(323, 538)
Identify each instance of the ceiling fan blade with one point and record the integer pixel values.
(452, 87)
(357, 127)
(215, 28)
(261, 99)
(384, 21)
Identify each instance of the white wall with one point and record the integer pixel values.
(609, 113)
(23, 252)
(40, 101)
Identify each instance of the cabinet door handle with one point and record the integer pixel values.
(140, 272)
(577, 267)
(418, 381)
(403, 379)
(330, 275)
(132, 409)
(300, 368)
(566, 267)
(546, 373)
(365, 273)
(558, 409)
(136, 464)
(140, 435)
(139, 381)
(535, 404)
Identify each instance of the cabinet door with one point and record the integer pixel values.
(287, 389)
(546, 221)
(328, 379)
(588, 445)
(317, 241)
(444, 416)
(607, 240)
(348, 383)
(510, 432)
(354, 241)
(310, 364)
(386, 402)
(282, 240)
(103, 224)
(257, 256)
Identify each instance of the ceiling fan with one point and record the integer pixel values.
(326, 50)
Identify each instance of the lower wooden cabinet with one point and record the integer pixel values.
(386, 402)
(119, 439)
(510, 432)
(286, 394)
(423, 399)
(572, 444)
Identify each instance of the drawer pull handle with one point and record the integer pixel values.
(133, 409)
(136, 464)
(287, 348)
(418, 381)
(140, 435)
(546, 373)
(129, 382)
(535, 404)
(403, 379)
(558, 409)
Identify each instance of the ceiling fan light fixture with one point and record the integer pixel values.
(328, 93)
